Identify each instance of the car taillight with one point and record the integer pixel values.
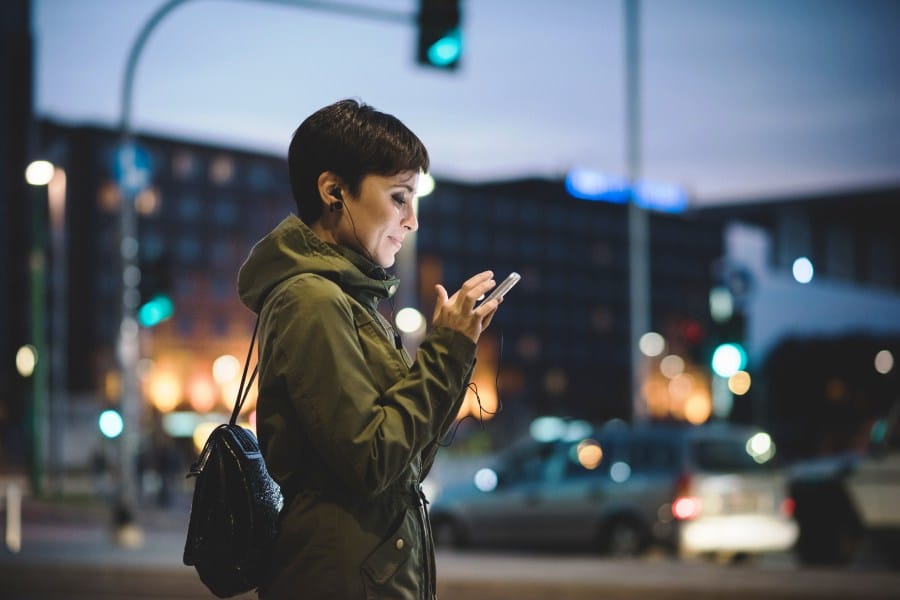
(787, 507)
(685, 506)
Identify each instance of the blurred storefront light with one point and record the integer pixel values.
(202, 393)
(164, 391)
(226, 369)
(698, 407)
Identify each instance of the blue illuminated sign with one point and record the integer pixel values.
(585, 184)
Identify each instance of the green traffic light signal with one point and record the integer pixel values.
(728, 359)
(440, 36)
(156, 310)
(446, 51)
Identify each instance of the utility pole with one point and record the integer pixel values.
(638, 229)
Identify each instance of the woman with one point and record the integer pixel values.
(348, 423)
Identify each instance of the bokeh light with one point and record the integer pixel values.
(589, 454)
(164, 391)
(39, 172)
(26, 360)
(110, 423)
(739, 383)
(409, 320)
(652, 344)
(803, 270)
(884, 362)
(671, 366)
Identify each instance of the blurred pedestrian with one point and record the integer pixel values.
(349, 424)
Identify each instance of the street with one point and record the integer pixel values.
(67, 553)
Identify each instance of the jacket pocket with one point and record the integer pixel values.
(381, 567)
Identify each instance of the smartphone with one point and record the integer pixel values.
(504, 286)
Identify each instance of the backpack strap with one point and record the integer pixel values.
(243, 390)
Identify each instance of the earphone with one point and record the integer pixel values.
(338, 204)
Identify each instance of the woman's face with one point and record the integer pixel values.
(378, 219)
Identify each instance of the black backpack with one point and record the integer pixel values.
(235, 508)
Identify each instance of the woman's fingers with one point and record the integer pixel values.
(474, 288)
(459, 311)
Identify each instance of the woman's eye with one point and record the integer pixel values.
(399, 199)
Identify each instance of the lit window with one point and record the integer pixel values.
(221, 170)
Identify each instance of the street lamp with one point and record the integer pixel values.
(38, 174)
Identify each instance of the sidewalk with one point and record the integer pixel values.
(79, 531)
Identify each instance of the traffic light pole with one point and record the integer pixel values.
(638, 229)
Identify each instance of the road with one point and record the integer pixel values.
(68, 554)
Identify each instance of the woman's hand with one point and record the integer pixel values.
(458, 312)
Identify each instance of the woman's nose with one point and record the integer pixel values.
(410, 221)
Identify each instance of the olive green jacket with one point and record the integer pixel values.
(347, 422)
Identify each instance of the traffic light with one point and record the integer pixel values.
(156, 291)
(440, 36)
(728, 355)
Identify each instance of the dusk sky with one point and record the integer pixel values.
(741, 100)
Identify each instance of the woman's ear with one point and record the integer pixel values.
(330, 189)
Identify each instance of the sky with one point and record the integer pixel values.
(740, 100)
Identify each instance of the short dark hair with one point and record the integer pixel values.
(351, 139)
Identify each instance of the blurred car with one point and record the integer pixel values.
(850, 502)
(695, 490)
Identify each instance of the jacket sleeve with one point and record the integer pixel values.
(367, 437)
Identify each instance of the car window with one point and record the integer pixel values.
(725, 455)
(526, 466)
(651, 455)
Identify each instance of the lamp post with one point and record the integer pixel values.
(38, 175)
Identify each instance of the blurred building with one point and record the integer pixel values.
(562, 336)
(820, 287)
(205, 208)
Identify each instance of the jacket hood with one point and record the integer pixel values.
(292, 249)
